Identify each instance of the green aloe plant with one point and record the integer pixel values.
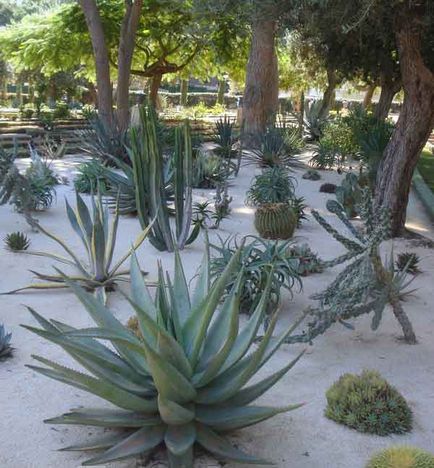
(99, 240)
(182, 380)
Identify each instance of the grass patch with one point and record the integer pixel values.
(426, 167)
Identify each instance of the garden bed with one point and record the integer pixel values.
(304, 438)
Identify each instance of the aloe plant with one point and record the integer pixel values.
(5, 343)
(99, 240)
(182, 381)
(148, 170)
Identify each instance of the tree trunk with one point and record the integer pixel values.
(102, 66)
(301, 115)
(153, 90)
(125, 55)
(329, 93)
(184, 92)
(413, 128)
(261, 93)
(389, 88)
(369, 93)
(221, 92)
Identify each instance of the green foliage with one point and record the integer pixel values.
(368, 403)
(274, 185)
(209, 170)
(308, 261)
(402, 456)
(325, 156)
(258, 258)
(298, 205)
(311, 174)
(17, 241)
(5, 343)
(224, 138)
(151, 197)
(408, 261)
(313, 122)
(91, 176)
(98, 236)
(275, 220)
(184, 382)
(61, 111)
(338, 134)
(349, 194)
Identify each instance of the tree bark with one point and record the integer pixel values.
(261, 93)
(184, 92)
(129, 26)
(389, 87)
(153, 90)
(369, 93)
(414, 125)
(221, 92)
(329, 93)
(101, 56)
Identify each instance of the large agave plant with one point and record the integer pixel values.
(99, 240)
(182, 381)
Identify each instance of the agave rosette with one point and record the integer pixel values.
(183, 382)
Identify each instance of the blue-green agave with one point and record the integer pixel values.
(182, 382)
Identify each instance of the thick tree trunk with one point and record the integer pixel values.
(184, 92)
(413, 128)
(153, 90)
(261, 93)
(125, 55)
(221, 92)
(102, 66)
(329, 93)
(369, 94)
(389, 87)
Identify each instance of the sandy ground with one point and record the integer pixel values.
(300, 439)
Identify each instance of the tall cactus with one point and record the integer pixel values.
(151, 198)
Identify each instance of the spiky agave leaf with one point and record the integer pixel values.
(5, 343)
(183, 380)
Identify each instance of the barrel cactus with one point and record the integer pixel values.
(275, 221)
(402, 457)
(182, 380)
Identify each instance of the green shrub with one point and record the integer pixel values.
(61, 111)
(17, 241)
(402, 457)
(338, 134)
(368, 403)
(90, 177)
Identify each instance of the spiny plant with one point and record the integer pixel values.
(183, 382)
(5, 343)
(258, 258)
(349, 194)
(325, 156)
(368, 403)
(308, 261)
(367, 283)
(313, 122)
(224, 138)
(298, 205)
(99, 240)
(17, 241)
(209, 170)
(274, 185)
(402, 456)
(408, 261)
(91, 177)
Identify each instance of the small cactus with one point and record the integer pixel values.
(275, 221)
(409, 262)
(17, 241)
(5, 346)
(402, 457)
(328, 188)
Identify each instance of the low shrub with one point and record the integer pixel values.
(368, 403)
(402, 457)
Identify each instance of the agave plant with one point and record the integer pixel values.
(224, 138)
(182, 381)
(408, 261)
(99, 242)
(5, 343)
(17, 241)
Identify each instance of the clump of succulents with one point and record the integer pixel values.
(408, 261)
(17, 241)
(5, 343)
(311, 174)
(275, 221)
(91, 177)
(402, 456)
(225, 138)
(184, 382)
(308, 261)
(368, 403)
(99, 241)
(349, 194)
(328, 188)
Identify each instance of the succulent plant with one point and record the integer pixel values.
(91, 177)
(99, 241)
(274, 185)
(224, 138)
(349, 194)
(183, 382)
(5, 343)
(17, 241)
(298, 205)
(328, 188)
(311, 174)
(408, 262)
(275, 221)
(402, 456)
(308, 261)
(368, 403)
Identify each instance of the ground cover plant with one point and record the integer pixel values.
(403, 456)
(183, 382)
